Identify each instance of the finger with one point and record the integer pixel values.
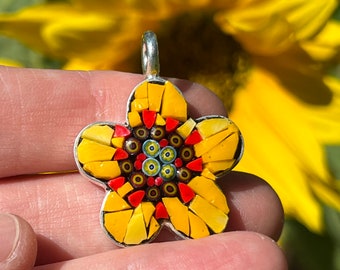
(236, 250)
(64, 211)
(43, 111)
(254, 205)
(18, 247)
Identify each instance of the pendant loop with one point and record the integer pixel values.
(150, 58)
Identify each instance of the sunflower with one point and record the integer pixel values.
(268, 61)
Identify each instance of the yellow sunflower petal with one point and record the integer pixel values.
(284, 151)
(308, 17)
(327, 193)
(27, 24)
(10, 63)
(325, 46)
(162, 8)
(89, 39)
(259, 34)
(324, 120)
(270, 27)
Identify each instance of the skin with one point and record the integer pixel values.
(42, 111)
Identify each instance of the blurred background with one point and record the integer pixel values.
(274, 63)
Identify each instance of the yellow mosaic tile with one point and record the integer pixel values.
(116, 223)
(155, 94)
(198, 228)
(125, 189)
(142, 90)
(153, 227)
(98, 133)
(139, 104)
(103, 169)
(215, 218)
(114, 202)
(219, 166)
(134, 119)
(208, 190)
(207, 144)
(89, 151)
(173, 104)
(223, 151)
(148, 210)
(136, 230)
(186, 128)
(178, 214)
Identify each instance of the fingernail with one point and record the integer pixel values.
(9, 235)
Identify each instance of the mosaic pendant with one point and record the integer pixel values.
(159, 168)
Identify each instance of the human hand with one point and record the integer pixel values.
(42, 112)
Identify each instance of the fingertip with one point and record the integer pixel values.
(18, 243)
(254, 205)
(257, 251)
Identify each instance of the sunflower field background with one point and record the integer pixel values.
(275, 64)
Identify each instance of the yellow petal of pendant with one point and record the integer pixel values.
(103, 169)
(207, 189)
(100, 134)
(136, 229)
(173, 105)
(198, 228)
(89, 151)
(116, 223)
(178, 214)
(215, 218)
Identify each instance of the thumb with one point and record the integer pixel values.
(18, 243)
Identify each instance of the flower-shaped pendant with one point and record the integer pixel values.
(159, 168)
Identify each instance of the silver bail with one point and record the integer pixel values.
(150, 56)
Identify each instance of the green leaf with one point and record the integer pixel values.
(306, 250)
(336, 14)
(332, 222)
(14, 5)
(333, 158)
(14, 50)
